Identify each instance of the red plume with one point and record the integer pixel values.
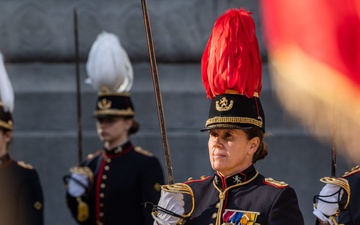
(231, 59)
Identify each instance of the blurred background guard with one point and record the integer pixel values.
(21, 195)
(315, 67)
(236, 193)
(351, 215)
(339, 200)
(111, 186)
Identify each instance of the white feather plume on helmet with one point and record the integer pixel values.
(6, 89)
(108, 66)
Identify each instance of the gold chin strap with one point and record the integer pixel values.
(343, 183)
(183, 189)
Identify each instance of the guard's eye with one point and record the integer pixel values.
(213, 134)
(227, 135)
(106, 120)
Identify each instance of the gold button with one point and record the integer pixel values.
(104, 177)
(217, 205)
(214, 215)
(38, 205)
(102, 185)
(101, 204)
(106, 167)
(101, 214)
(102, 195)
(108, 160)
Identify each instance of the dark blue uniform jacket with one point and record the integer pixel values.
(124, 179)
(246, 198)
(21, 195)
(351, 216)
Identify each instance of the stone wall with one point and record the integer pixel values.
(43, 30)
(37, 40)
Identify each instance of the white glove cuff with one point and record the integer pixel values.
(159, 221)
(321, 216)
(74, 188)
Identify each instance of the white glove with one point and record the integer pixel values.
(74, 188)
(173, 202)
(324, 209)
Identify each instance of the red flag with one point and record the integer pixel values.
(314, 50)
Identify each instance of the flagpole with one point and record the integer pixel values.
(78, 93)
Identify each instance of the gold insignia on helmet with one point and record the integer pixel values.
(104, 104)
(224, 105)
(38, 205)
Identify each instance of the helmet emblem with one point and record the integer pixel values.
(224, 105)
(104, 104)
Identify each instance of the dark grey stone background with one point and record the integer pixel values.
(37, 40)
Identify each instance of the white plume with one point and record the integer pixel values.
(6, 89)
(108, 66)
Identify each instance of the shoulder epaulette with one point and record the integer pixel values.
(275, 183)
(353, 170)
(25, 165)
(92, 155)
(190, 179)
(142, 151)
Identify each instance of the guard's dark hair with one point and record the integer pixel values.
(134, 128)
(262, 150)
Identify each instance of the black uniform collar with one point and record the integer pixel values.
(4, 159)
(119, 150)
(244, 176)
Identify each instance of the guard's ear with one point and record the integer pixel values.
(8, 135)
(128, 123)
(254, 145)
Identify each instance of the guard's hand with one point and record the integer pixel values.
(172, 202)
(79, 180)
(328, 202)
(78, 184)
